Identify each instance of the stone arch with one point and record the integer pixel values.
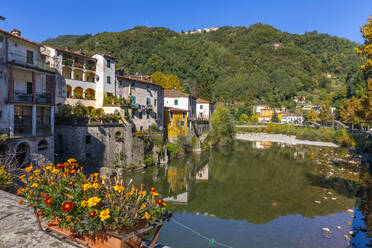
(69, 91)
(23, 153)
(118, 135)
(90, 94)
(42, 145)
(78, 93)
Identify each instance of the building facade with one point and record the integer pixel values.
(204, 109)
(292, 119)
(27, 98)
(146, 99)
(176, 122)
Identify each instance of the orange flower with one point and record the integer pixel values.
(70, 183)
(23, 176)
(142, 192)
(67, 206)
(20, 191)
(40, 213)
(143, 205)
(29, 169)
(154, 193)
(60, 166)
(161, 202)
(20, 202)
(68, 218)
(147, 215)
(48, 200)
(92, 214)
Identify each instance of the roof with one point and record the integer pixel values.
(138, 79)
(175, 109)
(175, 93)
(70, 52)
(20, 37)
(294, 115)
(199, 100)
(106, 55)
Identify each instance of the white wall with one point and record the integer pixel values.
(204, 112)
(183, 102)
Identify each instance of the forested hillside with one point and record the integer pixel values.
(236, 64)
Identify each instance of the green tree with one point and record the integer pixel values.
(275, 118)
(222, 125)
(254, 118)
(243, 118)
(166, 81)
(312, 116)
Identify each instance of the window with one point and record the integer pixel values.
(155, 102)
(108, 79)
(132, 114)
(170, 123)
(154, 115)
(43, 120)
(148, 88)
(30, 57)
(87, 139)
(182, 123)
(29, 88)
(171, 115)
(148, 100)
(120, 83)
(175, 101)
(183, 115)
(147, 115)
(140, 115)
(133, 100)
(108, 63)
(88, 155)
(43, 145)
(201, 106)
(133, 85)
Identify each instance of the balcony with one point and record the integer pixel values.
(43, 98)
(21, 59)
(67, 61)
(21, 96)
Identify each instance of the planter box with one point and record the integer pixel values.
(102, 239)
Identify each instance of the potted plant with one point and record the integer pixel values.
(91, 210)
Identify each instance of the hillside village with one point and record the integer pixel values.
(60, 101)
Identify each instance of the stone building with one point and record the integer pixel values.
(147, 100)
(26, 99)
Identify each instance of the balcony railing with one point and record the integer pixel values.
(43, 98)
(20, 96)
(21, 59)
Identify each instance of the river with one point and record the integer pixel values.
(262, 194)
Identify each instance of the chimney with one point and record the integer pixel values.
(16, 32)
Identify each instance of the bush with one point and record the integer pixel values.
(270, 128)
(149, 160)
(174, 150)
(5, 178)
(222, 126)
(154, 128)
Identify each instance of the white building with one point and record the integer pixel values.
(204, 109)
(180, 100)
(146, 99)
(26, 99)
(292, 119)
(81, 78)
(257, 109)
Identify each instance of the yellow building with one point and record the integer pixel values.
(280, 115)
(265, 114)
(176, 122)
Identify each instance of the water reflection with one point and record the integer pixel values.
(296, 189)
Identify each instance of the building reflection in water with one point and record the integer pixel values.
(202, 175)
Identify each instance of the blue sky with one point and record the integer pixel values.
(41, 19)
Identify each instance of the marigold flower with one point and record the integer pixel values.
(37, 172)
(84, 203)
(142, 192)
(29, 169)
(22, 177)
(55, 171)
(20, 202)
(154, 193)
(85, 186)
(93, 201)
(95, 185)
(20, 191)
(143, 205)
(49, 167)
(48, 200)
(72, 172)
(30, 177)
(68, 218)
(40, 213)
(152, 189)
(34, 185)
(119, 188)
(147, 215)
(133, 188)
(104, 214)
(71, 160)
(60, 166)
(92, 214)
(67, 206)
(71, 183)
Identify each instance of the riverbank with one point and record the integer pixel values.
(280, 138)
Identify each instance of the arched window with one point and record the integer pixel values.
(118, 136)
(43, 145)
(23, 154)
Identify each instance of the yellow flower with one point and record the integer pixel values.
(68, 218)
(23, 176)
(147, 215)
(34, 185)
(49, 167)
(104, 214)
(29, 169)
(143, 205)
(20, 202)
(30, 178)
(94, 185)
(142, 192)
(84, 203)
(119, 188)
(155, 193)
(71, 160)
(55, 171)
(85, 186)
(93, 201)
(36, 172)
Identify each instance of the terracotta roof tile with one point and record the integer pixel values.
(199, 100)
(20, 37)
(175, 93)
(137, 79)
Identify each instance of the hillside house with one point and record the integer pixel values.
(204, 109)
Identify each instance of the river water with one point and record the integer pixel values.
(263, 194)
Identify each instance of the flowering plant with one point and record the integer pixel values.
(86, 205)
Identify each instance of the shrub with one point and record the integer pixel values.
(222, 126)
(270, 128)
(174, 150)
(154, 128)
(149, 160)
(5, 178)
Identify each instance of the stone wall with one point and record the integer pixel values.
(198, 127)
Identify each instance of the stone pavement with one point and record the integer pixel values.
(18, 227)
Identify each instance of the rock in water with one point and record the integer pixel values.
(339, 227)
(326, 229)
(318, 202)
(346, 237)
(350, 211)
